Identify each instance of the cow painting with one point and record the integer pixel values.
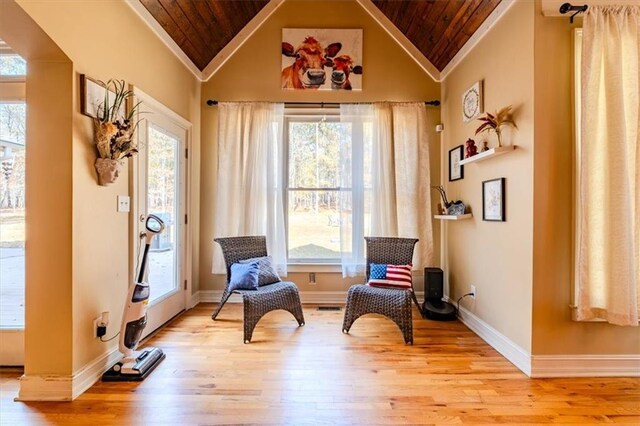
(308, 59)
(307, 70)
(341, 69)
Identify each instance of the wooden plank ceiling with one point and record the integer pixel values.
(438, 28)
(202, 28)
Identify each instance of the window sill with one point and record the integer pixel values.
(314, 267)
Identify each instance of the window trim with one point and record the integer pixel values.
(577, 92)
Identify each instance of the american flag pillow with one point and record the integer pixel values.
(394, 276)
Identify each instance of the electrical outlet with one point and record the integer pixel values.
(96, 323)
(312, 278)
(473, 292)
(100, 325)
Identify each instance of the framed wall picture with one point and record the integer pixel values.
(456, 170)
(472, 102)
(321, 59)
(92, 95)
(493, 200)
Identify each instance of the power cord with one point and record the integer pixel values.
(458, 304)
(110, 339)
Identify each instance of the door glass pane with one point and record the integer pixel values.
(162, 201)
(12, 223)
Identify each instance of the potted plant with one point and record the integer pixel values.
(114, 130)
(495, 122)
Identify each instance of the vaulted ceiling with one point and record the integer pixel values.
(437, 28)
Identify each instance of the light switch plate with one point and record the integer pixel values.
(123, 203)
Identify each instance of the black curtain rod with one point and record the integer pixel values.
(211, 102)
(568, 7)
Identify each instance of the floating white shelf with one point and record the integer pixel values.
(453, 217)
(493, 152)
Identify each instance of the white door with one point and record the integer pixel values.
(161, 191)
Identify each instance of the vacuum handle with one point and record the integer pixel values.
(143, 265)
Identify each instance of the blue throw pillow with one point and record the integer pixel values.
(268, 274)
(244, 276)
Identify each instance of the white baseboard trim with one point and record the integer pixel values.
(310, 297)
(66, 388)
(92, 372)
(585, 366)
(45, 388)
(194, 300)
(501, 343)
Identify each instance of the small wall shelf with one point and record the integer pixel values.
(453, 217)
(493, 152)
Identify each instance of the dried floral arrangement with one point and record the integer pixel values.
(496, 121)
(114, 132)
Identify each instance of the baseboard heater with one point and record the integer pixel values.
(328, 308)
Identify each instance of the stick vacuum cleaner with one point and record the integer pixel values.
(137, 365)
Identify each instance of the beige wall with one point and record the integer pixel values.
(49, 130)
(494, 256)
(100, 236)
(253, 73)
(553, 259)
(522, 269)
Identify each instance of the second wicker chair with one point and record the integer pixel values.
(393, 303)
(280, 295)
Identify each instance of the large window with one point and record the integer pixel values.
(326, 179)
(12, 189)
(11, 65)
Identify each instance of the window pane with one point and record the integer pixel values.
(314, 149)
(12, 214)
(314, 225)
(12, 65)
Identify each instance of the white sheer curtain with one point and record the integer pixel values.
(249, 177)
(609, 247)
(355, 181)
(393, 193)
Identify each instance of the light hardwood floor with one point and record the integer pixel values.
(317, 375)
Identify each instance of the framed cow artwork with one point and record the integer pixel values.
(321, 59)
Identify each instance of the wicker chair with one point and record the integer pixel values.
(267, 298)
(393, 303)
